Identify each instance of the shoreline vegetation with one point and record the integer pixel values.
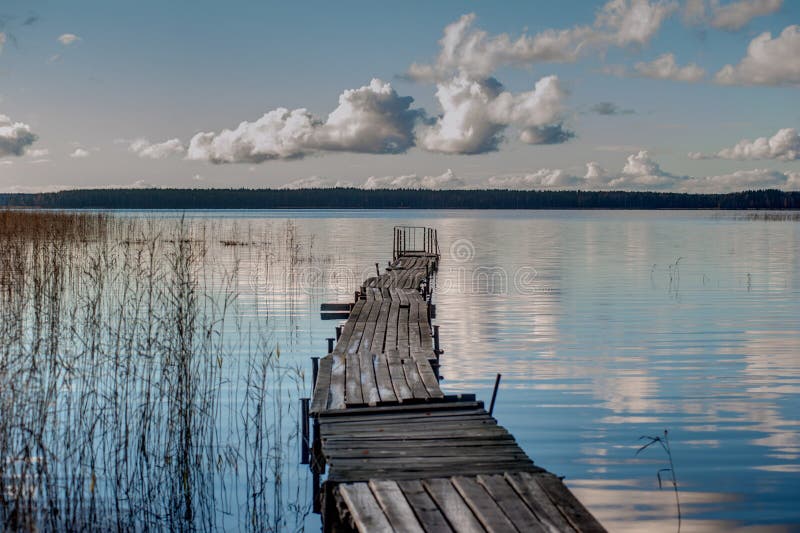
(352, 198)
(135, 393)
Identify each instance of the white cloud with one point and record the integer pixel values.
(664, 67)
(743, 180)
(79, 153)
(641, 172)
(475, 54)
(476, 112)
(768, 61)
(445, 181)
(15, 137)
(736, 15)
(316, 182)
(633, 21)
(545, 178)
(38, 153)
(2, 41)
(371, 119)
(784, 145)
(68, 38)
(144, 148)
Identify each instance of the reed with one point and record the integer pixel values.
(134, 395)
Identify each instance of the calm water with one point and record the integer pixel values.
(606, 326)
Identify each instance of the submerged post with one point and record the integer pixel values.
(338, 333)
(330, 343)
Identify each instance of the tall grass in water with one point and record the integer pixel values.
(133, 393)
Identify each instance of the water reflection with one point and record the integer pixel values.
(624, 324)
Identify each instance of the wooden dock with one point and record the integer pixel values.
(400, 454)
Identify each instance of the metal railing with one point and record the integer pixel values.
(415, 239)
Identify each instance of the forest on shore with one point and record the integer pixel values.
(353, 198)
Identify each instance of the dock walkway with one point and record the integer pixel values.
(400, 454)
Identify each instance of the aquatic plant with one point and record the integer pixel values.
(133, 393)
(663, 441)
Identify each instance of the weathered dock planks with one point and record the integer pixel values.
(384, 353)
(400, 454)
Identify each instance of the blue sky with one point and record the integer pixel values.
(117, 94)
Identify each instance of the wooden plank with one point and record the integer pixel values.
(428, 514)
(413, 450)
(566, 502)
(353, 366)
(390, 342)
(403, 416)
(336, 393)
(395, 506)
(322, 387)
(367, 471)
(464, 421)
(452, 505)
(414, 379)
(538, 501)
(511, 503)
(369, 387)
(358, 411)
(485, 508)
(384, 378)
(347, 330)
(398, 375)
(365, 510)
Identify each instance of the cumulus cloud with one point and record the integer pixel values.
(15, 137)
(743, 180)
(641, 172)
(664, 67)
(736, 15)
(633, 21)
(68, 38)
(545, 178)
(768, 61)
(144, 148)
(371, 119)
(475, 114)
(445, 181)
(476, 54)
(784, 145)
(79, 153)
(610, 109)
(317, 182)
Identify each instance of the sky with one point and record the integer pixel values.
(689, 95)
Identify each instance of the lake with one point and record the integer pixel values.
(606, 326)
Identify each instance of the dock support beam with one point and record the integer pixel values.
(314, 373)
(304, 438)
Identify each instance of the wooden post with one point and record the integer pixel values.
(304, 431)
(330, 344)
(377, 270)
(314, 372)
(436, 349)
(494, 393)
(338, 332)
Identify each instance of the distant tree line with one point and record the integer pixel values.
(351, 198)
